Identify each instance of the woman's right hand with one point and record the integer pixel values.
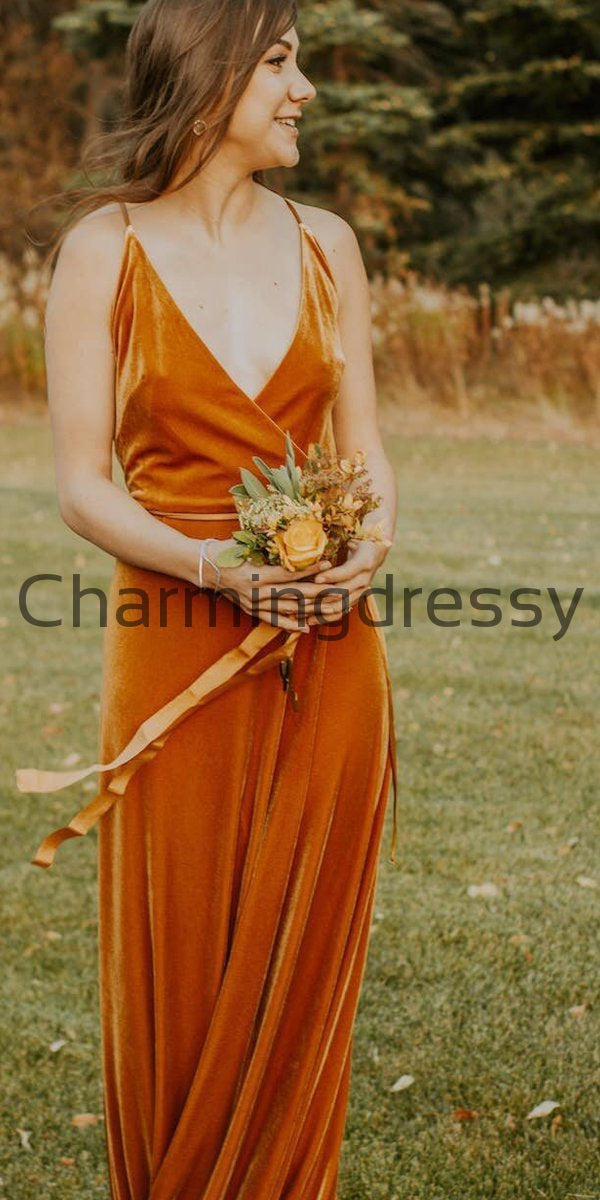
(251, 585)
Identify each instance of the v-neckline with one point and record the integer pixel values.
(198, 337)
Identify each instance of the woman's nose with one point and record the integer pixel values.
(303, 90)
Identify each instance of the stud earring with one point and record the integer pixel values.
(199, 127)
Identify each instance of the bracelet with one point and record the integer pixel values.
(203, 555)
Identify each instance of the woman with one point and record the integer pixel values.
(194, 319)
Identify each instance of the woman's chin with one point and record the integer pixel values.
(289, 159)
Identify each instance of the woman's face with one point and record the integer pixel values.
(277, 89)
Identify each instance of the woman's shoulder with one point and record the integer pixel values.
(90, 254)
(323, 221)
(338, 240)
(95, 233)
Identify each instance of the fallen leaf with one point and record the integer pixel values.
(543, 1109)
(555, 1123)
(585, 881)
(71, 759)
(24, 1135)
(67, 1162)
(464, 1114)
(483, 889)
(577, 1010)
(403, 1082)
(82, 1120)
(57, 1045)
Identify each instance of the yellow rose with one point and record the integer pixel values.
(301, 543)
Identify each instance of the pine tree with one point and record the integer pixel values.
(517, 141)
(370, 111)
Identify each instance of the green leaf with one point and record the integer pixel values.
(262, 466)
(231, 556)
(283, 482)
(253, 486)
(295, 476)
(243, 535)
(290, 460)
(238, 489)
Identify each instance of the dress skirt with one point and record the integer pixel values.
(236, 886)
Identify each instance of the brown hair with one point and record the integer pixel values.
(185, 59)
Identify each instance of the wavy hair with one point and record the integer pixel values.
(185, 59)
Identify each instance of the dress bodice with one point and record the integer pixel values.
(183, 426)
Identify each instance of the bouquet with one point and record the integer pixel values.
(300, 516)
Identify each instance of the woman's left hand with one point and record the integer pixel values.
(353, 576)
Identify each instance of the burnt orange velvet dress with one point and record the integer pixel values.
(240, 835)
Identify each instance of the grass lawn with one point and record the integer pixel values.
(490, 1001)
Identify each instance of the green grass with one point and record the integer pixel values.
(495, 726)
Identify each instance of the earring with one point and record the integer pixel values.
(199, 127)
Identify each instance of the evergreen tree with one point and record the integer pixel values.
(517, 143)
(370, 113)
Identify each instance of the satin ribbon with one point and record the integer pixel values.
(151, 735)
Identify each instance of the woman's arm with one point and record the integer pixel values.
(355, 418)
(80, 378)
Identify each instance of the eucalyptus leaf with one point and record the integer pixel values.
(242, 535)
(263, 466)
(231, 556)
(283, 482)
(289, 446)
(238, 489)
(295, 475)
(253, 486)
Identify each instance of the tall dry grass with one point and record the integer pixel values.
(432, 344)
(470, 353)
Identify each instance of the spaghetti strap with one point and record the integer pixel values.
(316, 243)
(294, 210)
(125, 213)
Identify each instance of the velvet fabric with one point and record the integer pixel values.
(239, 841)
